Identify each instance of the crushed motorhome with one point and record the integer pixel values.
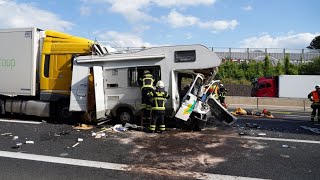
(108, 84)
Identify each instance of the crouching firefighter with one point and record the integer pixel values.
(159, 97)
(147, 86)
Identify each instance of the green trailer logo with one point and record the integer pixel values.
(7, 63)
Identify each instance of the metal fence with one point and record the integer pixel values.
(275, 54)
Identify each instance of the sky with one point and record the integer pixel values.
(146, 23)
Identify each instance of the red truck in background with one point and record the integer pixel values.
(265, 87)
(287, 86)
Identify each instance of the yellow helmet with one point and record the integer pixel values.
(160, 84)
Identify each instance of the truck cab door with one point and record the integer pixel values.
(189, 101)
(99, 92)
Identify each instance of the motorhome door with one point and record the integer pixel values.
(190, 99)
(99, 92)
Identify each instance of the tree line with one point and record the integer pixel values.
(244, 72)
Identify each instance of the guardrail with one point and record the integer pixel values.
(297, 104)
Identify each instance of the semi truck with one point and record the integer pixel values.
(286, 86)
(35, 70)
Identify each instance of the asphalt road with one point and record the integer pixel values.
(288, 149)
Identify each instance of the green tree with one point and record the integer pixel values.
(267, 67)
(315, 43)
(279, 69)
(311, 68)
(286, 64)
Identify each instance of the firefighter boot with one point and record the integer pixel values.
(312, 118)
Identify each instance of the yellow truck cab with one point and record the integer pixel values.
(38, 67)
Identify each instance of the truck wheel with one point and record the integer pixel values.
(125, 115)
(63, 113)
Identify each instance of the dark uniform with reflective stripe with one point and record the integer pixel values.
(147, 86)
(159, 97)
(222, 94)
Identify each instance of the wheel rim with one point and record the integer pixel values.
(125, 117)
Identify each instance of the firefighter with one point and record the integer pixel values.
(147, 86)
(314, 97)
(159, 97)
(222, 95)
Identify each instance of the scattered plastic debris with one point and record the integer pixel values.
(76, 144)
(29, 142)
(242, 133)
(315, 130)
(63, 154)
(80, 139)
(93, 134)
(83, 127)
(15, 137)
(119, 128)
(262, 134)
(285, 146)
(285, 156)
(6, 134)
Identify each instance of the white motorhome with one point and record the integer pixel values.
(116, 77)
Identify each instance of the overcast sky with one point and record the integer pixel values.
(136, 23)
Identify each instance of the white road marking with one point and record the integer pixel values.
(297, 116)
(112, 166)
(281, 139)
(19, 121)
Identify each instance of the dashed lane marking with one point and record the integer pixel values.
(19, 121)
(113, 166)
(272, 139)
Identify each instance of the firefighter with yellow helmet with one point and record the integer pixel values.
(147, 86)
(159, 97)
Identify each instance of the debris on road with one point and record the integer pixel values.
(82, 127)
(315, 130)
(63, 154)
(119, 128)
(242, 112)
(6, 134)
(76, 144)
(17, 146)
(15, 137)
(262, 134)
(285, 146)
(29, 142)
(80, 139)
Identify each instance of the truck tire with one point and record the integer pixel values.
(125, 115)
(62, 112)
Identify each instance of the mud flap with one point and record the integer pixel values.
(220, 112)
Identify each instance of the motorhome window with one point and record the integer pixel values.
(132, 77)
(197, 87)
(135, 75)
(112, 85)
(185, 56)
(46, 66)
